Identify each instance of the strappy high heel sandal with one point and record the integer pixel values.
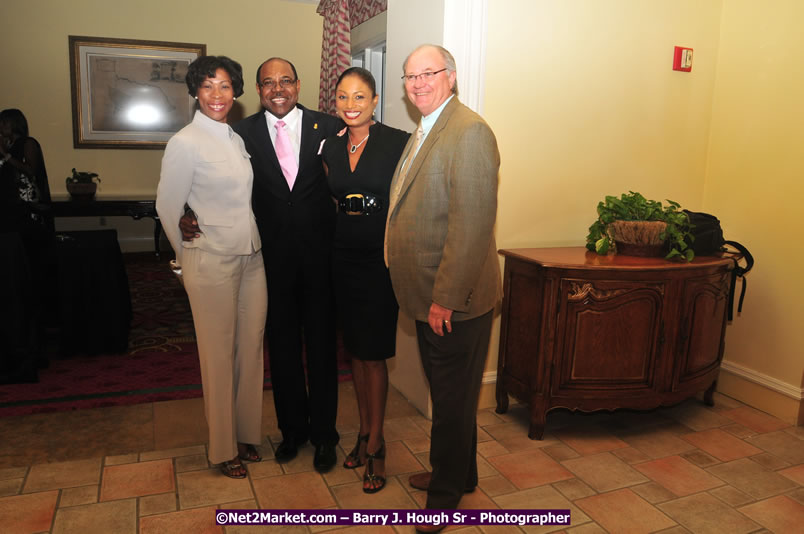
(233, 469)
(353, 460)
(376, 482)
(251, 454)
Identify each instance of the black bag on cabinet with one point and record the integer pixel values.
(708, 239)
(707, 234)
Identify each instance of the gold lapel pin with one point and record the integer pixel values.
(315, 126)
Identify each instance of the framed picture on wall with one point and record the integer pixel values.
(129, 93)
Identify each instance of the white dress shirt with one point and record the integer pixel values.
(206, 166)
(427, 123)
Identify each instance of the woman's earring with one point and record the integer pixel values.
(195, 97)
(234, 98)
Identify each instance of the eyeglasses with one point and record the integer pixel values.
(270, 84)
(426, 76)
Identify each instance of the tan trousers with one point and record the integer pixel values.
(229, 300)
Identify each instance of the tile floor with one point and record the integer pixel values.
(689, 468)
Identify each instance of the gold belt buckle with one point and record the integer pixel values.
(355, 195)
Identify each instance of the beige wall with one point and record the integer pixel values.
(405, 30)
(584, 103)
(33, 37)
(754, 184)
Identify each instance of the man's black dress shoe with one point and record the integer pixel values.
(421, 481)
(324, 458)
(287, 450)
(427, 529)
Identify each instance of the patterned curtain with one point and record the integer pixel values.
(362, 10)
(336, 52)
(340, 16)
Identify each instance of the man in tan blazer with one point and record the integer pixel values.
(442, 256)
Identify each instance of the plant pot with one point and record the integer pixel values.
(82, 192)
(643, 251)
(638, 238)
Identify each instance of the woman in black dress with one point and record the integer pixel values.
(360, 163)
(25, 210)
(25, 189)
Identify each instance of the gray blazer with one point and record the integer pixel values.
(440, 232)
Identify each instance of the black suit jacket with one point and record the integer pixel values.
(306, 215)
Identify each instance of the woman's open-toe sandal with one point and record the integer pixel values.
(353, 460)
(372, 482)
(233, 469)
(251, 454)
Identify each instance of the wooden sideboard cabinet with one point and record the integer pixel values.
(589, 332)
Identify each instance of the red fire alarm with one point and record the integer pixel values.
(682, 59)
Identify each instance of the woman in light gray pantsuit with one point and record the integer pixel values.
(207, 168)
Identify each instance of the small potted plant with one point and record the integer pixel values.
(82, 185)
(635, 226)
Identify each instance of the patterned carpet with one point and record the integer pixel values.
(161, 362)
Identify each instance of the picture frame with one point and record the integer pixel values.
(129, 93)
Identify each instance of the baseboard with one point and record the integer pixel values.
(488, 391)
(774, 384)
(138, 244)
(763, 392)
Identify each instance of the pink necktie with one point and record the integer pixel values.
(284, 152)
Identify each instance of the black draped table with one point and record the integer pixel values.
(136, 209)
(93, 301)
(18, 348)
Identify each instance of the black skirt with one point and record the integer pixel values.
(367, 307)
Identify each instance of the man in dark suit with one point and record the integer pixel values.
(442, 257)
(295, 216)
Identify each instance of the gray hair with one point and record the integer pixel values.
(449, 61)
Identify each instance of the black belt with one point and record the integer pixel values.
(360, 204)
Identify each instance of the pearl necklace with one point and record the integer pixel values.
(356, 146)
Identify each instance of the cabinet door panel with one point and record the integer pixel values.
(611, 335)
(703, 325)
(521, 339)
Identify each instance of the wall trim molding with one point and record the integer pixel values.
(774, 384)
(465, 36)
(142, 243)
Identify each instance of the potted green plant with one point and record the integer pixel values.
(634, 225)
(82, 185)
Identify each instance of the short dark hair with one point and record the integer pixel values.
(205, 67)
(361, 73)
(15, 120)
(292, 67)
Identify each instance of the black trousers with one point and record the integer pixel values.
(454, 365)
(301, 314)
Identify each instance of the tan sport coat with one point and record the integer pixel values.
(440, 232)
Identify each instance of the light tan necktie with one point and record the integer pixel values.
(403, 172)
(400, 181)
